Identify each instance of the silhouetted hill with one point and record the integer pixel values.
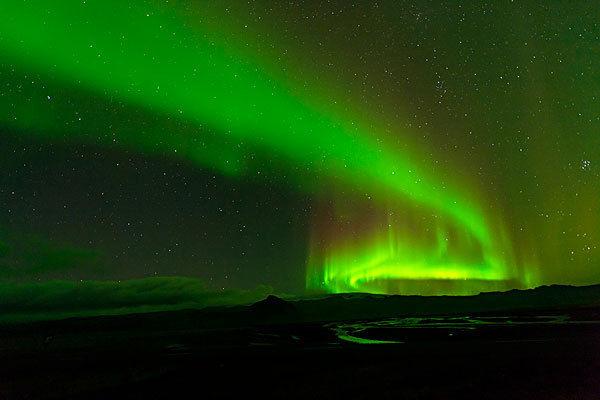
(338, 307)
(273, 305)
(272, 309)
(365, 306)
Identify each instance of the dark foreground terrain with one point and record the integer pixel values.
(537, 344)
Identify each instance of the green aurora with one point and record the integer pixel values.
(386, 222)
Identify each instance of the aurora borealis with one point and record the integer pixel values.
(386, 147)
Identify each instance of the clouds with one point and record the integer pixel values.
(27, 262)
(60, 299)
(28, 256)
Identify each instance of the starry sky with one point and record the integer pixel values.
(389, 146)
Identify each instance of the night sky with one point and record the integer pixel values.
(299, 147)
